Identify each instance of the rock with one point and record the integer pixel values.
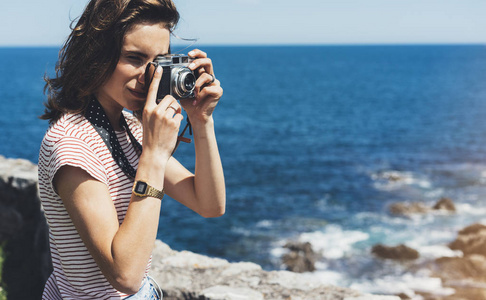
(215, 278)
(373, 297)
(391, 176)
(467, 274)
(471, 268)
(413, 208)
(445, 204)
(17, 173)
(225, 292)
(471, 240)
(400, 252)
(407, 209)
(473, 229)
(301, 257)
(403, 296)
(469, 294)
(23, 228)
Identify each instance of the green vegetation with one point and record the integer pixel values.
(3, 293)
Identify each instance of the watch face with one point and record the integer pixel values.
(140, 187)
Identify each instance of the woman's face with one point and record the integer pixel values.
(126, 86)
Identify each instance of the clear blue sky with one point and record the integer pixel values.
(34, 22)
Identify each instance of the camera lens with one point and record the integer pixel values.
(183, 82)
(189, 81)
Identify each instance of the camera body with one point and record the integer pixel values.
(177, 79)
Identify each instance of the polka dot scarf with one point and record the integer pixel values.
(97, 117)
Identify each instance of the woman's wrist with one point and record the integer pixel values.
(151, 168)
(202, 127)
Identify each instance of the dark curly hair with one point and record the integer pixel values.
(92, 50)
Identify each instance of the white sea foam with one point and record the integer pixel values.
(329, 277)
(407, 284)
(465, 208)
(279, 251)
(437, 251)
(391, 180)
(333, 242)
(264, 224)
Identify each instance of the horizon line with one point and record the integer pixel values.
(284, 45)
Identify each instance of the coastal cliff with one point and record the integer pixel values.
(23, 231)
(182, 274)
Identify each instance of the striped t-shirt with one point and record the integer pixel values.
(73, 141)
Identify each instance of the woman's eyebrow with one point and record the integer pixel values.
(138, 53)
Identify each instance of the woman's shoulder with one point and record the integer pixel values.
(72, 140)
(70, 126)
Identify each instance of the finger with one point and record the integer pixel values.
(173, 109)
(153, 88)
(202, 65)
(205, 80)
(196, 53)
(214, 92)
(178, 118)
(165, 102)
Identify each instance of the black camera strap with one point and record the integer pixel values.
(98, 119)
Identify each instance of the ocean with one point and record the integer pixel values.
(317, 142)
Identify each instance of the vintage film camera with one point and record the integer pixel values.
(177, 79)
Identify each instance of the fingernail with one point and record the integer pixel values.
(159, 69)
(194, 103)
(192, 65)
(191, 53)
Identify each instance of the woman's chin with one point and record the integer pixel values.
(136, 105)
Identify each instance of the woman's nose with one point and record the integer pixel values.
(141, 76)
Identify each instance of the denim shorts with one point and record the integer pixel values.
(150, 290)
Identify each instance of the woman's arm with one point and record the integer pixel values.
(204, 191)
(121, 252)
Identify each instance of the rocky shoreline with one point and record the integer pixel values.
(183, 274)
(187, 275)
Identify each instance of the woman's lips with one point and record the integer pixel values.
(139, 94)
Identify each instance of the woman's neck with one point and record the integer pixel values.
(113, 111)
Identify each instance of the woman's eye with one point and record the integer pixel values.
(135, 59)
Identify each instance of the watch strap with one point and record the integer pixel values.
(153, 192)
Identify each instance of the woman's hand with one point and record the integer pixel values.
(208, 89)
(160, 121)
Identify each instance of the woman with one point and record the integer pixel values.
(101, 232)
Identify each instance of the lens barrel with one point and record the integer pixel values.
(183, 82)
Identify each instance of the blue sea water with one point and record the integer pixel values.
(316, 143)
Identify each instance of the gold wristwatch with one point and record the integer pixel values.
(142, 189)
